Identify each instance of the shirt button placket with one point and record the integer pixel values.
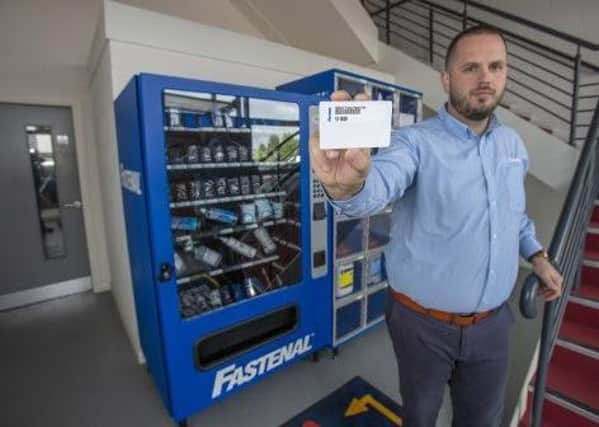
(492, 217)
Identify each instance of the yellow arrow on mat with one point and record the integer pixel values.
(358, 406)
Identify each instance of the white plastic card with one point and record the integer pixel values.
(354, 124)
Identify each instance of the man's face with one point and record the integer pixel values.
(476, 76)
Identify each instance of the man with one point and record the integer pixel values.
(456, 183)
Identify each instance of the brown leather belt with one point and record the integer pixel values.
(443, 316)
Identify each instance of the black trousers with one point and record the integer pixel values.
(473, 360)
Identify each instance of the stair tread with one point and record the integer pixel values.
(591, 254)
(575, 377)
(590, 276)
(581, 334)
(555, 415)
(587, 291)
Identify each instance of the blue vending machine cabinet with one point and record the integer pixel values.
(359, 279)
(227, 234)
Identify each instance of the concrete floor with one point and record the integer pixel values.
(67, 362)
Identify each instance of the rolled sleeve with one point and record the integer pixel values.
(528, 241)
(392, 172)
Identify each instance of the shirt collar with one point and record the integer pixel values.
(462, 130)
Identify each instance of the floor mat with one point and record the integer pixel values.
(356, 404)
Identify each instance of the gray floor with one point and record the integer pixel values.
(67, 362)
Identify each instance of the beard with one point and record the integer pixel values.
(473, 110)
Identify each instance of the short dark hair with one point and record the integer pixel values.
(479, 29)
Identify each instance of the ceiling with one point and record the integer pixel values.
(37, 35)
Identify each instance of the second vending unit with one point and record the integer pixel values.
(227, 234)
(359, 282)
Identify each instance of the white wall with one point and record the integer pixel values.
(67, 86)
(217, 13)
(143, 41)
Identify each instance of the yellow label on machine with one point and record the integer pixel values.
(346, 277)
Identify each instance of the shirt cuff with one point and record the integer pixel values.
(340, 205)
(528, 246)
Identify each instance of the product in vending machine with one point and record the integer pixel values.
(185, 223)
(187, 299)
(195, 189)
(180, 266)
(201, 304)
(174, 118)
(238, 246)
(176, 155)
(181, 192)
(193, 155)
(277, 209)
(217, 120)
(220, 215)
(218, 150)
(238, 291)
(205, 154)
(186, 242)
(214, 298)
(189, 119)
(345, 280)
(233, 186)
(268, 283)
(248, 213)
(244, 184)
(256, 182)
(226, 295)
(232, 152)
(221, 187)
(263, 209)
(268, 182)
(208, 188)
(244, 153)
(207, 256)
(253, 287)
(228, 120)
(262, 236)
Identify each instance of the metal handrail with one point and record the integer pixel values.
(560, 35)
(412, 24)
(566, 251)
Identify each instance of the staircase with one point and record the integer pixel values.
(572, 395)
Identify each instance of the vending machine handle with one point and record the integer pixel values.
(166, 271)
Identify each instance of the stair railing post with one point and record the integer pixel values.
(388, 21)
(575, 88)
(431, 12)
(465, 15)
(543, 364)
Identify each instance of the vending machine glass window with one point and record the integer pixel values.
(233, 171)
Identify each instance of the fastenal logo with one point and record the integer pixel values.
(234, 376)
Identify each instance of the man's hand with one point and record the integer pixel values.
(551, 279)
(341, 172)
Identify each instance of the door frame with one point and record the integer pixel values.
(87, 167)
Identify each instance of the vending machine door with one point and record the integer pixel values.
(238, 250)
(359, 277)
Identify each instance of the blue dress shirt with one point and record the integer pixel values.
(458, 220)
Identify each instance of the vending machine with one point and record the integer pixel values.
(227, 234)
(359, 281)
